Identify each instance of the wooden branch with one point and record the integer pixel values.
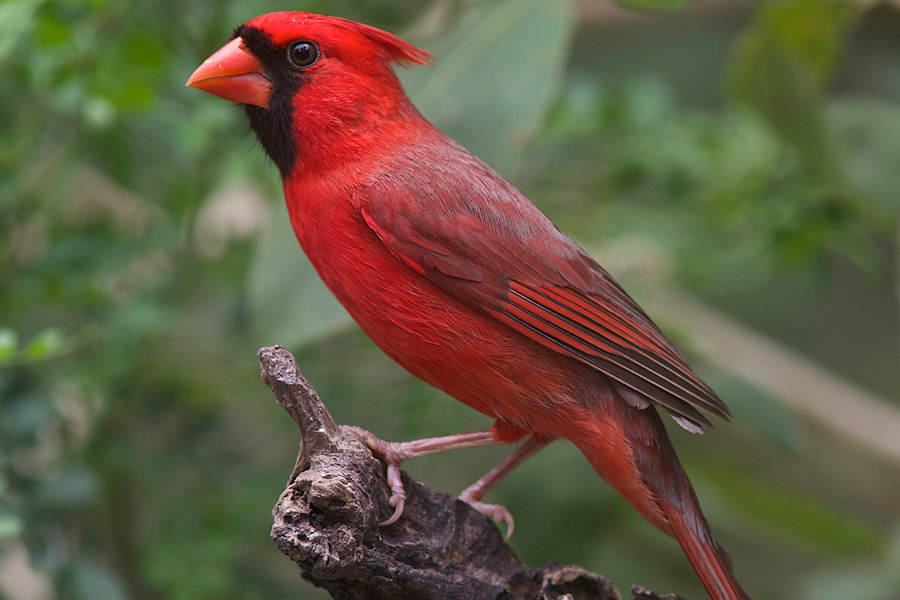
(326, 521)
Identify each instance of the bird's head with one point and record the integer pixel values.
(303, 76)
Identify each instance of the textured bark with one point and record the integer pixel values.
(326, 521)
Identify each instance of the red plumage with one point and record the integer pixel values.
(460, 278)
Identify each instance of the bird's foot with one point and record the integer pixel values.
(395, 453)
(496, 512)
(475, 492)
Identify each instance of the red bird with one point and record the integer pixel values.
(460, 278)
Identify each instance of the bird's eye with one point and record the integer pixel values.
(302, 54)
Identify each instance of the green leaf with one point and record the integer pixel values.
(495, 74)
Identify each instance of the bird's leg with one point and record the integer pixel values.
(394, 453)
(473, 494)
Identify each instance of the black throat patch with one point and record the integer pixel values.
(274, 125)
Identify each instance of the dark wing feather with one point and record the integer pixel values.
(483, 242)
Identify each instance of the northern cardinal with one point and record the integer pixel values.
(460, 278)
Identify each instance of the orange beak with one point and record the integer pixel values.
(234, 74)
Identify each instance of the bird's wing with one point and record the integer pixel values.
(484, 243)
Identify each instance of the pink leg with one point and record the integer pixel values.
(475, 492)
(394, 453)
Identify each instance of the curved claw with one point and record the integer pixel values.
(398, 512)
(494, 511)
(398, 494)
(385, 450)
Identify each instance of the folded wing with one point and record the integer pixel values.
(487, 245)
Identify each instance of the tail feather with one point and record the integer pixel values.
(632, 452)
(710, 560)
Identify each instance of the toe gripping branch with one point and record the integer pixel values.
(327, 522)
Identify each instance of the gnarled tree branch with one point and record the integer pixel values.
(326, 521)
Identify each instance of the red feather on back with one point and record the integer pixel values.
(528, 275)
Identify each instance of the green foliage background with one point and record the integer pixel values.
(748, 154)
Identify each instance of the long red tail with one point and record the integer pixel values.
(632, 452)
(710, 560)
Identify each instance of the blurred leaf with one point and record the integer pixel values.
(11, 526)
(52, 30)
(9, 344)
(578, 113)
(814, 31)
(781, 64)
(44, 345)
(495, 73)
(16, 18)
(289, 304)
(868, 135)
(780, 89)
